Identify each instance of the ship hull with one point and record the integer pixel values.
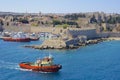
(34, 39)
(17, 39)
(52, 68)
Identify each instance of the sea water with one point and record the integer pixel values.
(94, 62)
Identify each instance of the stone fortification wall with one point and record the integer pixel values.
(33, 29)
(17, 28)
(47, 29)
(108, 34)
(73, 42)
(90, 33)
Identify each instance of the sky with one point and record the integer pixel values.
(60, 6)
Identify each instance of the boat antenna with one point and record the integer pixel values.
(50, 56)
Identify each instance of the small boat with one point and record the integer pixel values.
(34, 39)
(42, 65)
(16, 39)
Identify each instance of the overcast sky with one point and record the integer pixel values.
(60, 6)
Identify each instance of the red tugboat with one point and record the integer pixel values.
(42, 65)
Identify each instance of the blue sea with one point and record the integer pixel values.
(94, 62)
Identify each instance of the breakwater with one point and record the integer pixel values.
(52, 44)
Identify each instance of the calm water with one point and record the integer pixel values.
(95, 62)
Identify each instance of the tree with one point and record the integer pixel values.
(111, 20)
(56, 22)
(65, 26)
(25, 21)
(118, 19)
(74, 16)
(1, 22)
(93, 19)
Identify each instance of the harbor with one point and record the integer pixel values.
(81, 63)
(72, 38)
(60, 40)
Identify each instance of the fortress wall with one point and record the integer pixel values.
(33, 29)
(90, 33)
(108, 34)
(17, 28)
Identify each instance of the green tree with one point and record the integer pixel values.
(65, 26)
(56, 22)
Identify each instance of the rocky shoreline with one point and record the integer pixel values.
(88, 42)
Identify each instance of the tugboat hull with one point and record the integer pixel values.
(51, 68)
(17, 39)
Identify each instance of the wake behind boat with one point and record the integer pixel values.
(44, 65)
